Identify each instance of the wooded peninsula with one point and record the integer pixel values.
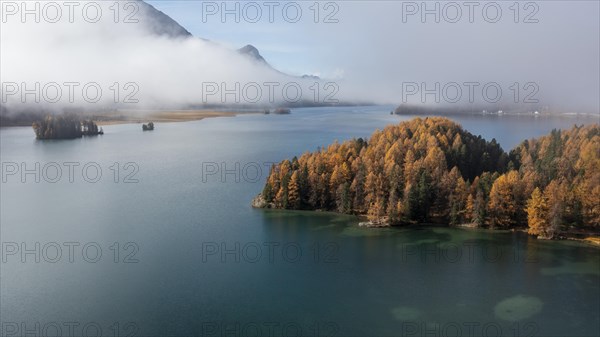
(431, 170)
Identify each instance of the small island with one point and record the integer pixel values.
(65, 127)
(278, 111)
(282, 111)
(433, 171)
(148, 127)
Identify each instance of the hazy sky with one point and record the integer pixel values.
(307, 46)
(554, 44)
(374, 50)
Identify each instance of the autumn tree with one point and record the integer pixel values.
(294, 198)
(503, 206)
(537, 210)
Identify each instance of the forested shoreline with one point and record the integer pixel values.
(432, 171)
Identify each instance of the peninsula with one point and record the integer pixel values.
(431, 170)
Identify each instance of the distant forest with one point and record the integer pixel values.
(432, 171)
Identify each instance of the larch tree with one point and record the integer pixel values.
(537, 209)
(294, 198)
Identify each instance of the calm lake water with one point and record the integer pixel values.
(178, 250)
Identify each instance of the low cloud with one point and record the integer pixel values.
(375, 53)
(137, 65)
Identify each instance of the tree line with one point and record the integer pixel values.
(432, 171)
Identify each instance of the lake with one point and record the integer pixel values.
(152, 234)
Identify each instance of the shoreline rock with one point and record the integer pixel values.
(370, 224)
(380, 223)
(260, 202)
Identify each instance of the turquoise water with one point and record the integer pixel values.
(183, 253)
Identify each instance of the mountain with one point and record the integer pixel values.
(311, 77)
(160, 23)
(251, 51)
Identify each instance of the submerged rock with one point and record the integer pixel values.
(403, 313)
(518, 308)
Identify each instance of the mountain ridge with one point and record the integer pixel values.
(165, 24)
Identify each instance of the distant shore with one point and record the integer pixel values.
(171, 116)
(133, 116)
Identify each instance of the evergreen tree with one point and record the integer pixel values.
(343, 200)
